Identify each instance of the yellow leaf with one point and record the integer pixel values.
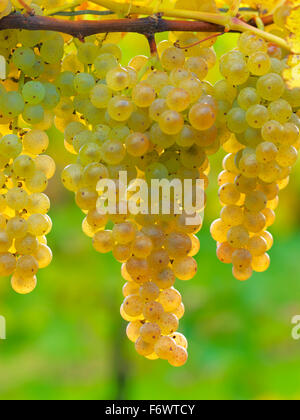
(232, 5)
(292, 73)
(198, 5)
(7, 10)
(292, 26)
(264, 6)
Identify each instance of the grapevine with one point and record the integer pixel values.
(156, 118)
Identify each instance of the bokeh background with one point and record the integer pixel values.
(67, 340)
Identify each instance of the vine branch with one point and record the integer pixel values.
(81, 29)
(150, 25)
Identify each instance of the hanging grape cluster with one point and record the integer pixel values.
(261, 114)
(152, 120)
(24, 167)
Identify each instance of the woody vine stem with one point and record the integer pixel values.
(190, 21)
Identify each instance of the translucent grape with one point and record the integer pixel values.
(261, 263)
(10, 146)
(169, 324)
(224, 253)
(236, 120)
(193, 86)
(26, 245)
(143, 348)
(202, 116)
(219, 231)
(149, 291)
(133, 330)
(172, 58)
(118, 78)
(171, 122)
(17, 198)
(257, 116)
(38, 225)
(17, 227)
(266, 152)
(259, 63)
(120, 108)
(238, 236)
(270, 87)
(27, 266)
(113, 152)
(23, 58)
(33, 93)
(143, 95)
(165, 278)
(38, 203)
(272, 131)
(23, 285)
(229, 194)
(7, 264)
(13, 104)
(100, 96)
(137, 144)
(52, 50)
(24, 167)
(150, 332)
(103, 241)
(178, 99)
(153, 311)
(45, 164)
(165, 347)
(43, 255)
(185, 268)
(33, 114)
(280, 111)
(198, 66)
(83, 83)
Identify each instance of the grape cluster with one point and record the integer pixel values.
(152, 120)
(24, 207)
(261, 113)
(27, 103)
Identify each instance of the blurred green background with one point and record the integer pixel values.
(67, 340)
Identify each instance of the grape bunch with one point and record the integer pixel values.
(27, 103)
(261, 113)
(153, 119)
(24, 207)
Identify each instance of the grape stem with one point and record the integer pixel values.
(83, 12)
(26, 6)
(62, 8)
(185, 47)
(152, 43)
